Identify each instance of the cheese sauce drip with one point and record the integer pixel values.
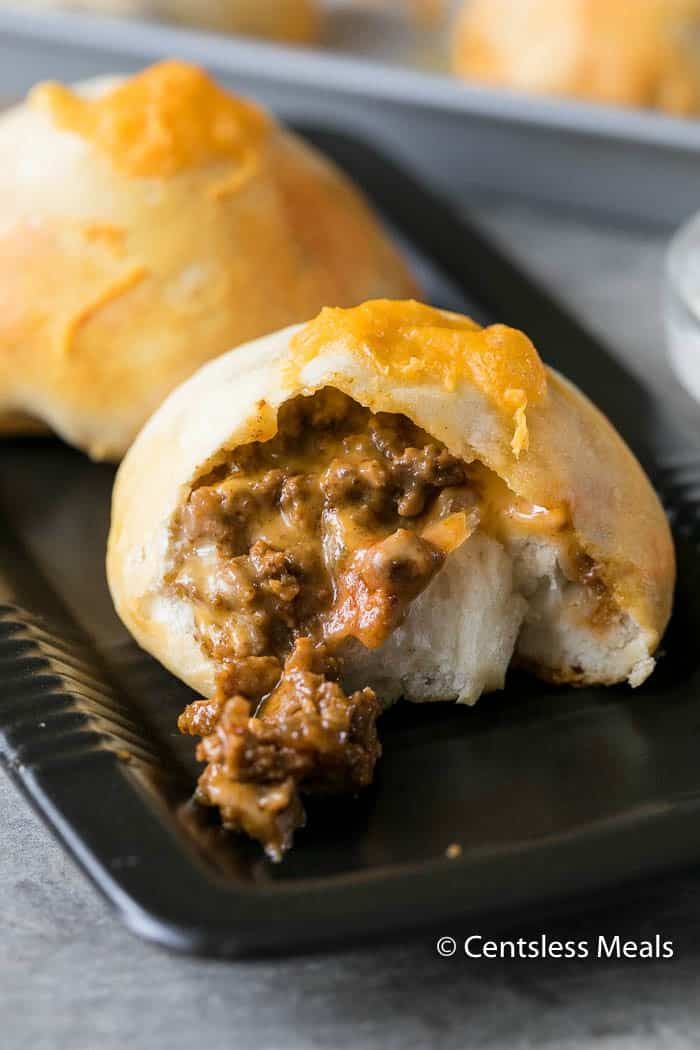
(166, 120)
(410, 341)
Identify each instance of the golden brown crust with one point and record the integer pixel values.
(16, 424)
(574, 459)
(600, 50)
(160, 274)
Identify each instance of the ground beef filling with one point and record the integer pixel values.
(288, 551)
(309, 737)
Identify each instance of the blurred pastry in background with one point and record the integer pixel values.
(644, 53)
(409, 33)
(150, 224)
(292, 21)
(425, 12)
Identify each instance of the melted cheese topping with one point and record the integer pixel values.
(170, 118)
(120, 286)
(410, 341)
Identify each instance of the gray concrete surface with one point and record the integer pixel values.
(72, 979)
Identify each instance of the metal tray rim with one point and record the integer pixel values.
(349, 74)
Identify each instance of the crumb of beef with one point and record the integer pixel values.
(270, 813)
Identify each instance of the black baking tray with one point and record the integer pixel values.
(550, 793)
